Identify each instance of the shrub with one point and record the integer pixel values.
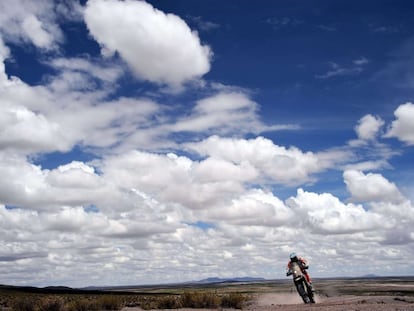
(233, 300)
(49, 304)
(149, 304)
(199, 300)
(169, 302)
(24, 304)
(82, 305)
(109, 302)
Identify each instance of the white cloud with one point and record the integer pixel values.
(229, 112)
(368, 165)
(403, 127)
(4, 54)
(22, 183)
(213, 170)
(143, 229)
(74, 175)
(400, 213)
(361, 61)
(150, 41)
(371, 187)
(183, 181)
(29, 186)
(203, 25)
(221, 112)
(367, 152)
(87, 68)
(34, 30)
(325, 214)
(69, 110)
(31, 21)
(22, 129)
(105, 124)
(273, 162)
(253, 208)
(339, 71)
(368, 127)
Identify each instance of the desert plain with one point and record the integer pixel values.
(358, 294)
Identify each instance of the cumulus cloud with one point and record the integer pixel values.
(20, 180)
(27, 185)
(74, 175)
(144, 204)
(371, 187)
(367, 152)
(183, 181)
(403, 127)
(253, 208)
(325, 213)
(368, 127)
(276, 163)
(17, 132)
(150, 41)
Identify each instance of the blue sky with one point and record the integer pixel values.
(166, 141)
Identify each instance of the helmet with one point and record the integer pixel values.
(293, 256)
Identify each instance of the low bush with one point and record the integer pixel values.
(169, 302)
(109, 302)
(24, 304)
(51, 304)
(233, 300)
(199, 300)
(82, 305)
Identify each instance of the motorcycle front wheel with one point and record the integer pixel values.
(302, 292)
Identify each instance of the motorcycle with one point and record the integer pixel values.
(303, 287)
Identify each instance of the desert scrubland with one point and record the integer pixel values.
(331, 294)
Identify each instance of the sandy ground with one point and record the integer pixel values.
(292, 302)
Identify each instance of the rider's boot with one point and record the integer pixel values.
(311, 287)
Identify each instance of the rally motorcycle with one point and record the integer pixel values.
(304, 289)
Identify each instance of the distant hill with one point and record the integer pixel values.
(369, 276)
(225, 280)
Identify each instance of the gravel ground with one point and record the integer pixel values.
(291, 302)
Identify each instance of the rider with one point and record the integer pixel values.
(302, 264)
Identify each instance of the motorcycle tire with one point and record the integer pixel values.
(310, 293)
(302, 292)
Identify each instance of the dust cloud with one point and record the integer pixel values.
(279, 299)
